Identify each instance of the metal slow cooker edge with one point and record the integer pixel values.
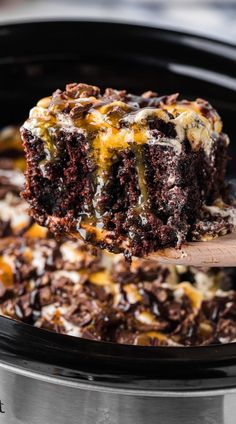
(30, 398)
(46, 377)
(49, 378)
(31, 401)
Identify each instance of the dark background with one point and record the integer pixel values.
(216, 18)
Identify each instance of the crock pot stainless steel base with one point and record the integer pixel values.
(32, 399)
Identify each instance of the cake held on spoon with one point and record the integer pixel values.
(132, 174)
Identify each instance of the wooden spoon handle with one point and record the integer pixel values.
(218, 252)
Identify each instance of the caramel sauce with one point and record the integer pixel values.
(87, 227)
(36, 231)
(104, 279)
(193, 294)
(100, 278)
(28, 254)
(144, 338)
(6, 274)
(132, 293)
(156, 335)
(108, 141)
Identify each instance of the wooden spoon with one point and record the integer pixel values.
(218, 252)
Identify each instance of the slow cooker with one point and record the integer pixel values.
(50, 378)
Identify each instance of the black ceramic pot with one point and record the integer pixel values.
(49, 378)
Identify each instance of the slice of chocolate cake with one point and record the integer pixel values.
(124, 172)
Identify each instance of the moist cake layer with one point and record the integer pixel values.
(127, 173)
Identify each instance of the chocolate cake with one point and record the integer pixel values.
(72, 288)
(127, 173)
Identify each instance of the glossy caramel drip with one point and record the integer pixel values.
(109, 140)
(90, 227)
(192, 293)
(6, 274)
(143, 338)
(132, 293)
(36, 231)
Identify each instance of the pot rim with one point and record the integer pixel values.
(21, 371)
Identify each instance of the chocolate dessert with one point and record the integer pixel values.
(127, 173)
(72, 288)
(69, 289)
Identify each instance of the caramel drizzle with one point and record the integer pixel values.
(6, 273)
(107, 139)
(106, 147)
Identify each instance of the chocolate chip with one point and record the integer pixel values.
(174, 311)
(75, 90)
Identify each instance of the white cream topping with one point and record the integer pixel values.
(188, 124)
(226, 212)
(71, 329)
(39, 261)
(70, 252)
(198, 131)
(49, 312)
(73, 276)
(16, 177)
(14, 211)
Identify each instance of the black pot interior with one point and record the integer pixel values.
(36, 59)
